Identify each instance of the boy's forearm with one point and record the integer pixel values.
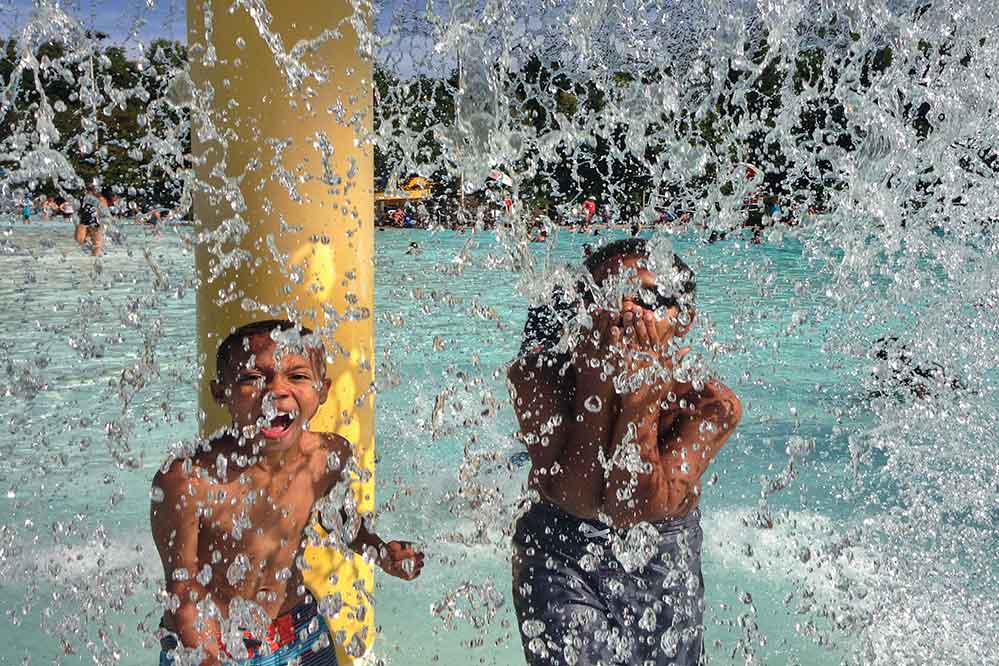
(580, 478)
(538, 403)
(692, 444)
(634, 460)
(194, 629)
(695, 439)
(365, 538)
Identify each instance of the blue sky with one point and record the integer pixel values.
(128, 22)
(133, 23)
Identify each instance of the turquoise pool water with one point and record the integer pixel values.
(99, 363)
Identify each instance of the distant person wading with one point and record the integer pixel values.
(95, 214)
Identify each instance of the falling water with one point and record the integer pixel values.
(853, 516)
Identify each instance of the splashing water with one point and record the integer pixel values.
(828, 170)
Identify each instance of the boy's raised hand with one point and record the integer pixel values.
(592, 352)
(645, 346)
(400, 559)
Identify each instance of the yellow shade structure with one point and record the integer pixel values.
(413, 189)
(280, 109)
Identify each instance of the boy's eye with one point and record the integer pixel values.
(301, 376)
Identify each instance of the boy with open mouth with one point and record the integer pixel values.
(230, 519)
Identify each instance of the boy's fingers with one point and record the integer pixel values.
(628, 324)
(664, 330)
(651, 330)
(605, 324)
(615, 335)
(599, 326)
(641, 332)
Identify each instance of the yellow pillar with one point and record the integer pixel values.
(285, 212)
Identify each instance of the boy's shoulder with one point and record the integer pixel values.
(328, 444)
(191, 465)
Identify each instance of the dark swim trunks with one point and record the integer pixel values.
(299, 637)
(588, 595)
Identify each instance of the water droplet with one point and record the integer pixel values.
(532, 628)
(648, 620)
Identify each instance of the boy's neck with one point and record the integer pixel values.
(272, 459)
(266, 455)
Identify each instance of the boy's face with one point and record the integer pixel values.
(644, 280)
(271, 394)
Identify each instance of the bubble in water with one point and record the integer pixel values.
(593, 404)
(532, 628)
(669, 643)
(648, 620)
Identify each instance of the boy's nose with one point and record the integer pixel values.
(277, 387)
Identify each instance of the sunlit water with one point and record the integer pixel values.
(854, 516)
(93, 349)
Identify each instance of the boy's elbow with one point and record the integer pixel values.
(633, 499)
(733, 410)
(726, 405)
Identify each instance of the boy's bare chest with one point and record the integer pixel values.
(260, 522)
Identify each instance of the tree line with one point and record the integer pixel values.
(110, 115)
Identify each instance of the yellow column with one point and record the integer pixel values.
(285, 212)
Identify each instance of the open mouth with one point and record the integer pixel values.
(279, 425)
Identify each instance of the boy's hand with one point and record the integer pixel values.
(646, 365)
(400, 559)
(596, 347)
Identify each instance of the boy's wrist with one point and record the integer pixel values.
(365, 542)
(642, 402)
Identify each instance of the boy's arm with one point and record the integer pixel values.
(579, 485)
(565, 426)
(697, 436)
(175, 523)
(656, 482)
(397, 558)
(537, 390)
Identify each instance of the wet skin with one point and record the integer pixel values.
(566, 459)
(233, 517)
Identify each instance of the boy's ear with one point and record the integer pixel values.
(324, 391)
(218, 393)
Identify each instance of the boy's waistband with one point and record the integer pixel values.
(553, 516)
(282, 631)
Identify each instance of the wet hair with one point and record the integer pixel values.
(631, 247)
(267, 326)
(108, 193)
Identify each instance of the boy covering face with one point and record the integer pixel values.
(230, 525)
(606, 563)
